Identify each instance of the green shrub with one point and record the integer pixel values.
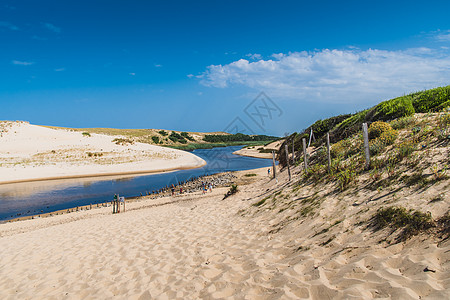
(376, 146)
(405, 149)
(163, 133)
(344, 148)
(377, 128)
(187, 136)
(431, 100)
(388, 137)
(345, 178)
(122, 141)
(411, 221)
(392, 109)
(155, 139)
(401, 123)
(86, 134)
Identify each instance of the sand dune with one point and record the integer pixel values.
(30, 152)
(199, 246)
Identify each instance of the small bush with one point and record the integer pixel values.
(155, 139)
(87, 134)
(344, 148)
(163, 133)
(187, 136)
(388, 137)
(376, 129)
(402, 123)
(122, 141)
(405, 149)
(250, 175)
(381, 135)
(411, 221)
(345, 178)
(233, 190)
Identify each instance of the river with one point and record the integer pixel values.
(30, 198)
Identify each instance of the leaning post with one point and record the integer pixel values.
(328, 152)
(304, 154)
(273, 165)
(366, 144)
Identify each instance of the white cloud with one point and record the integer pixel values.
(60, 69)
(190, 75)
(22, 63)
(52, 27)
(254, 56)
(132, 74)
(8, 25)
(158, 66)
(336, 75)
(443, 36)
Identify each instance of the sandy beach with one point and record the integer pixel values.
(198, 246)
(31, 152)
(260, 151)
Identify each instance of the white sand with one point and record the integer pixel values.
(31, 152)
(200, 247)
(253, 151)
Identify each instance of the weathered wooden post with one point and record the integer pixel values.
(328, 152)
(273, 165)
(293, 152)
(304, 154)
(366, 144)
(123, 204)
(287, 160)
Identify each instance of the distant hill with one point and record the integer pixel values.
(178, 139)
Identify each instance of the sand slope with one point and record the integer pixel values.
(199, 247)
(31, 152)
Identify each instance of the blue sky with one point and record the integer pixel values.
(196, 65)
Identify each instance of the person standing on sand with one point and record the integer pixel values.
(173, 190)
(210, 187)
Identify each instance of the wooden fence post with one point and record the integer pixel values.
(273, 165)
(123, 204)
(287, 160)
(304, 154)
(293, 152)
(366, 144)
(328, 152)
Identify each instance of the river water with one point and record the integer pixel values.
(30, 198)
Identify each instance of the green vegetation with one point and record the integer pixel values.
(431, 100)
(163, 133)
(187, 136)
(412, 222)
(233, 190)
(238, 137)
(87, 134)
(250, 175)
(177, 138)
(94, 154)
(381, 135)
(122, 141)
(193, 146)
(155, 139)
(260, 202)
(400, 108)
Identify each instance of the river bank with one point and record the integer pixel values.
(36, 153)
